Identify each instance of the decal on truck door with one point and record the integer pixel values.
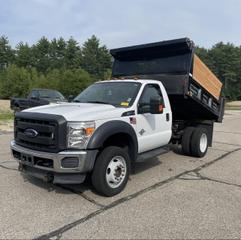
(142, 131)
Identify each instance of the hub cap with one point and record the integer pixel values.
(203, 143)
(116, 171)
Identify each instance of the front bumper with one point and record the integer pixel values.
(49, 166)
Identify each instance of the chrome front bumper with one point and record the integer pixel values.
(28, 157)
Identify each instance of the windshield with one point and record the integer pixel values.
(119, 94)
(50, 94)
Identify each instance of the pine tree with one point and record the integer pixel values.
(6, 53)
(96, 59)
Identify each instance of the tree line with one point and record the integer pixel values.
(56, 64)
(68, 67)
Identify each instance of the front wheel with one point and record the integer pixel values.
(111, 171)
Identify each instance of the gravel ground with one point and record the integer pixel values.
(6, 126)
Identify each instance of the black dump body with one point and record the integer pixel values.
(171, 62)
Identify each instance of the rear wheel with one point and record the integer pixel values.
(111, 171)
(186, 140)
(199, 142)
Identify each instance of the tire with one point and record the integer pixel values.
(111, 171)
(16, 108)
(199, 142)
(186, 140)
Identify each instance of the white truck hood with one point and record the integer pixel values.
(80, 111)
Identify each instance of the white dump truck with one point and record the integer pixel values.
(160, 94)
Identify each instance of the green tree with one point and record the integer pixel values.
(14, 81)
(24, 56)
(49, 80)
(57, 53)
(6, 53)
(96, 59)
(72, 54)
(41, 52)
(73, 81)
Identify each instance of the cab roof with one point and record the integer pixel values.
(142, 81)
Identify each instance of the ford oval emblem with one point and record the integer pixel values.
(30, 132)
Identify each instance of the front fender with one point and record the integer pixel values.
(109, 129)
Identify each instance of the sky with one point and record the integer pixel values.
(119, 23)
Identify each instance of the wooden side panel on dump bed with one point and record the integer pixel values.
(206, 78)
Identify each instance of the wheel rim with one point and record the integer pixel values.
(203, 143)
(116, 171)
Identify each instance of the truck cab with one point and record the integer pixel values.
(134, 101)
(104, 131)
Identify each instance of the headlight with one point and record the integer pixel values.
(79, 134)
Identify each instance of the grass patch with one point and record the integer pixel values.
(233, 108)
(234, 105)
(6, 115)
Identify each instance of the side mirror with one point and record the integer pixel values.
(70, 98)
(156, 105)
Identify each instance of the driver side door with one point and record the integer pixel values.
(153, 130)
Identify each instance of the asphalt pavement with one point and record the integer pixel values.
(172, 196)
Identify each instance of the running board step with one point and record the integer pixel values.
(151, 154)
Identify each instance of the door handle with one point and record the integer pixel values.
(167, 117)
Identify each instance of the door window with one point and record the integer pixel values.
(150, 91)
(34, 94)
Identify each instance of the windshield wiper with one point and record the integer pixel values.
(76, 101)
(100, 102)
